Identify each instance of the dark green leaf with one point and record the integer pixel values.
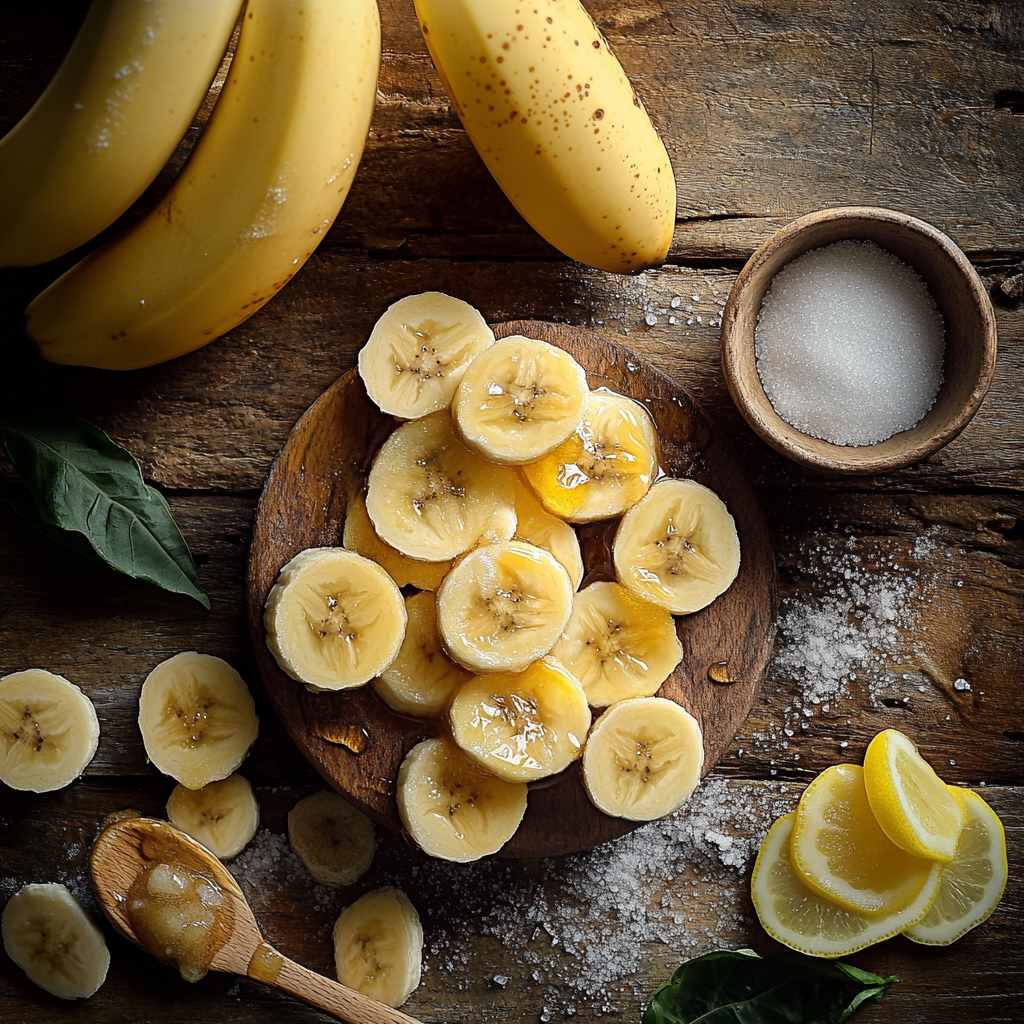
(738, 987)
(85, 484)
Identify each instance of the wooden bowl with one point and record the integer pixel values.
(970, 355)
(357, 743)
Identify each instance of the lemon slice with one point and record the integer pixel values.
(972, 883)
(841, 852)
(798, 917)
(909, 801)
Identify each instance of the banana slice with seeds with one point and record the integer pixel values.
(643, 759)
(223, 815)
(519, 400)
(503, 606)
(197, 718)
(431, 498)
(332, 838)
(418, 352)
(48, 731)
(617, 645)
(453, 808)
(678, 547)
(535, 525)
(334, 619)
(606, 466)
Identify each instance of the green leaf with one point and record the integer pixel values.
(738, 987)
(89, 493)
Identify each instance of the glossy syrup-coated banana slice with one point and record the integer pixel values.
(617, 645)
(643, 759)
(418, 352)
(535, 525)
(678, 547)
(378, 946)
(606, 466)
(332, 838)
(422, 679)
(223, 815)
(453, 808)
(334, 619)
(430, 497)
(519, 400)
(503, 606)
(522, 725)
(197, 718)
(48, 731)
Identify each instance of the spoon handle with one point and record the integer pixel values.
(270, 967)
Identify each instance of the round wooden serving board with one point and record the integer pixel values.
(358, 744)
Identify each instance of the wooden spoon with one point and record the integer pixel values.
(129, 846)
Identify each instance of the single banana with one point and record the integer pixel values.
(431, 498)
(332, 838)
(422, 679)
(378, 946)
(503, 606)
(519, 400)
(454, 809)
(197, 719)
(418, 351)
(255, 198)
(617, 645)
(334, 619)
(555, 119)
(678, 547)
(223, 815)
(48, 731)
(54, 941)
(643, 759)
(606, 466)
(109, 120)
(522, 726)
(535, 525)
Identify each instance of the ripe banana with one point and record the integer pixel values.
(536, 526)
(334, 619)
(453, 808)
(555, 119)
(617, 645)
(223, 815)
(419, 350)
(332, 838)
(114, 113)
(256, 197)
(503, 606)
(52, 939)
(678, 547)
(378, 946)
(519, 400)
(48, 731)
(643, 759)
(197, 718)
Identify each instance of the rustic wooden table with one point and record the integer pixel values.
(902, 597)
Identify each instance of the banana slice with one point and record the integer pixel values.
(197, 717)
(519, 400)
(223, 815)
(418, 352)
(606, 466)
(452, 807)
(430, 497)
(643, 759)
(378, 946)
(522, 725)
(422, 679)
(332, 838)
(334, 619)
(535, 525)
(617, 645)
(48, 731)
(52, 939)
(678, 547)
(503, 606)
